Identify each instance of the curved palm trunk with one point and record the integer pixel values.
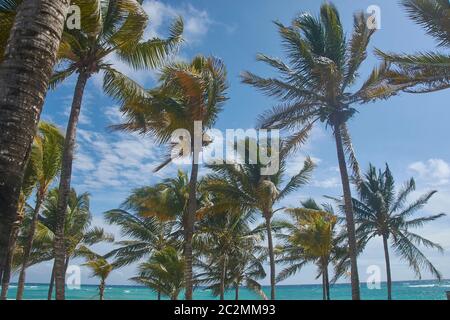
(388, 267)
(190, 218)
(24, 76)
(29, 246)
(271, 256)
(348, 206)
(64, 185)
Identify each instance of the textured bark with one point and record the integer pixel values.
(29, 246)
(189, 228)
(348, 207)
(24, 76)
(271, 255)
(388, 267)
(64, 185)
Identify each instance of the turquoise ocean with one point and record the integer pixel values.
(404, 290)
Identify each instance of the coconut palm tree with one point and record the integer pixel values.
(99, 266)
(79, 232)
(163, 273)
(311, 238)
(190, 97)
(144, 235)
(46, 161)
(227, 250)
(245, 188)
(317, 85)
(113, 28)
(383, 212)
(25, 71)
(28, 185)
(430, 71)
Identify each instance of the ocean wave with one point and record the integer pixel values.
(422, 286)
(127, 291)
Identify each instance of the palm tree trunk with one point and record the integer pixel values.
(236, 292)
(24, 76)
(101, 290)
(64, 185)
(29, 245)
(388, 267)
(190, 219)
(222, 281)
(159, 295)
(327, 283)
(52, 283)
(7, 272)
(348, 206)
(271, 255)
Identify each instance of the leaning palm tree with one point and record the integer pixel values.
(310, 238)
(430, 71)
(317, 85)
(190, 97)
(113, 27)
(245, 188)
(163, 273)
(25, 71)
(383, 212)
(46, 161)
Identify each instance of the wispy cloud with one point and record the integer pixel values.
(433, 171)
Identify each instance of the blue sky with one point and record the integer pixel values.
(409, 131)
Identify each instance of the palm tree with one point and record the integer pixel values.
(144, 235)
(190, 97)
(228, 253)
(244, 187)
(28, 185)
(383, 212)
(314, 86)
(78, 232)
(114, 27)
(429, 71)
(311, 238)
(163, 273)
(46, 161)
(25, 71)
(99, 266)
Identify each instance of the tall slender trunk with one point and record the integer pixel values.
(64, 184)
(271, 255)
(159, 295)
(52, 283)
(101, 289)
(190, 219)
(324, 287)
(236, 292)
(348, 206)
(29, 244)
(9, 260)
(388, 267)
(222, 280)
(25, 72)
(327, 283)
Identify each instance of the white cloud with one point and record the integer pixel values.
(433, 171)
